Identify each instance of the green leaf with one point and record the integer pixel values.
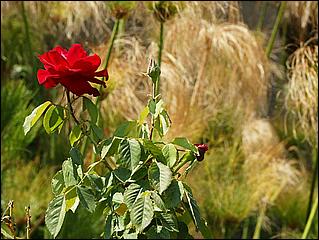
(158, 232)
(75, 134)
(97, 131)
(122, 174)
(143, 115)
(160, 176)
(129, 153)
(192, 206)
(34, 116)
(87, 104)
(151, 106)
(131, 194)
(170, 154)
(86, 197)
(155, 151)
(125, 128)
(108, 227)
(164, 122)
(76, 156)
(71, 200)
(55, 215)
(158, 202)
(54, 115)
(142, 211)
(144, 131)
(57, 183)
(183, 142)
(169, 221)
(111, 147)
(173, 194)
(70, 175)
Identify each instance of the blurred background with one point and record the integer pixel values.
(239, 76)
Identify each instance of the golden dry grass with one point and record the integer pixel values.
(302, 90)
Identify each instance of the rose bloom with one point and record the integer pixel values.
(202, 148)
(74, 69)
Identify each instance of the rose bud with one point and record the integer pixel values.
(202, 148)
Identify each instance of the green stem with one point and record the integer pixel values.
(259, 222)
(27, 32)
(70, 107)
(262, 16)
(107, 59)
(245, 229)
(160, 50)
(275, 28)
(313, 182)
(310, 219)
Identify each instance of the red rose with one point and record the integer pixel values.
(202, 148)
(74, 69)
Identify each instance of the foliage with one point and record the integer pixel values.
(134, 196)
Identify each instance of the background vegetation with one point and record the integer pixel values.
(240, 76)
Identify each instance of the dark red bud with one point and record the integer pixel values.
(202, 148)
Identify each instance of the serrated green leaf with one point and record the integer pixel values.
(159, 204)
(169, 221)
(158, 232)
(75, 134)
(170, 154)
(164, 121)
(86, 197)
(129, 153)
(131, 194)
(153, 149)
(173, 194)
(76, 156)
(70, 174)
(92, 109)
(125, 128)
(53, 116)
(160, 176)
(34, 116)
(143, 115)
(97, 131)
(142, 211)
(122, 174)
(71, 200)
(57, 183)
(192, 206)
(55, 215)
(108, 227)
(111, 147)
(183, 142)
(151, 106)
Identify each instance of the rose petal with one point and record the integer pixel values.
(45, 75)
(79, 86)
(75, 53)
(102, 73)
(52, 59)
(88, 64)
(95, 80)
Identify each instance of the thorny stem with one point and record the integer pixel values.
(70, 107)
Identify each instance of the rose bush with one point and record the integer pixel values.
(74, 69)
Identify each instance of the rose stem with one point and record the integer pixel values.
(70, 107)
